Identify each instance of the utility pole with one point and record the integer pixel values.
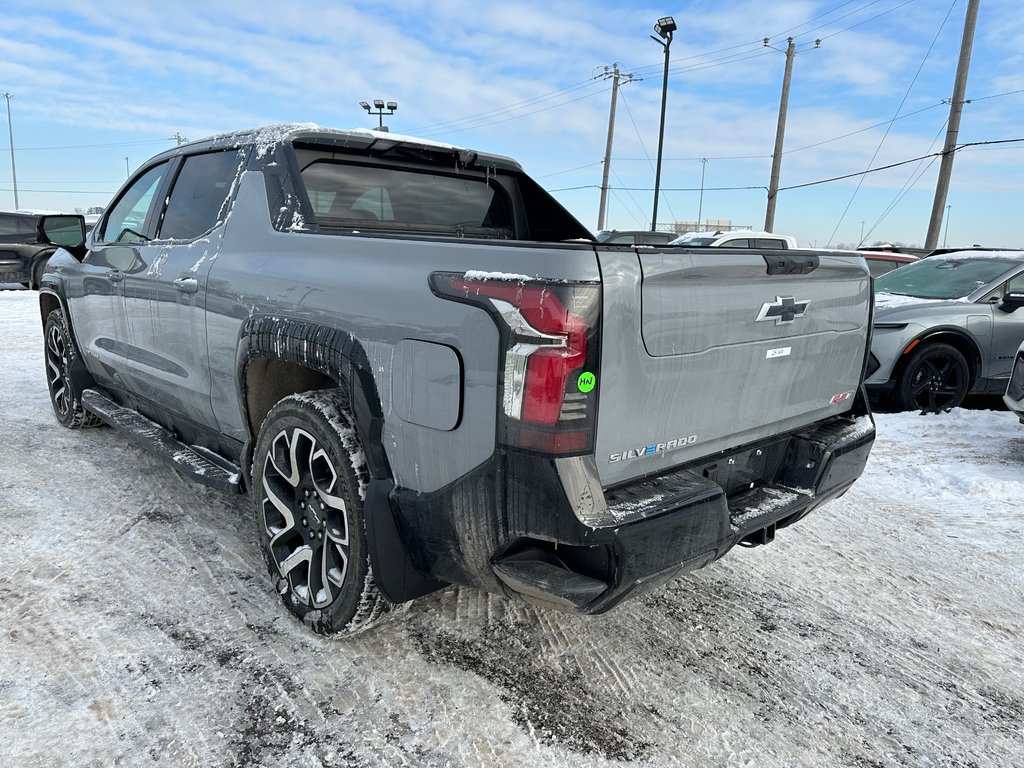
(178, 138)
(956, 108)
(780, 131)
(615, 76)
(700, 205)
(10, 133)
(127, 170)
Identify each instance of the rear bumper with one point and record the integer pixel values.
(531, 527)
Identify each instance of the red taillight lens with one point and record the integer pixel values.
(550, 339)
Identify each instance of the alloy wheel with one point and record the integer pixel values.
(57, 366)
(305, 517)
(939, 382)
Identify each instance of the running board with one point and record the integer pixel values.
(193, 462)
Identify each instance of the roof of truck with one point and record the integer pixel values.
(267, 137)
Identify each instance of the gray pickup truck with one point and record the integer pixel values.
(424, 371)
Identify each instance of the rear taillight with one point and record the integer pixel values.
(549, 332)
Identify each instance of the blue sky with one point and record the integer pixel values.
(97, 82)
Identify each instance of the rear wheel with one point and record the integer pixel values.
(308, 480)
(935, 378)
(60, 353)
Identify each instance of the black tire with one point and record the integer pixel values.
(308, 482)
(59, 353)
(936, 378)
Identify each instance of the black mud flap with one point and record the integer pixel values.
(393, 571)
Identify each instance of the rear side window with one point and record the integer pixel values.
(18, 225)
(771, 243)
(197, 200)
(378, 198)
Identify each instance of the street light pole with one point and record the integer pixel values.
(10, 133)
(665, 27)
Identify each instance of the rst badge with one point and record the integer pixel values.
(783, 310)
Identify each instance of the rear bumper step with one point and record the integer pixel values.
(194, 462)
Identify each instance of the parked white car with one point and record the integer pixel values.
(741, 238)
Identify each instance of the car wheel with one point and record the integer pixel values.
(935, 378)
(309, 477)
(60, 352)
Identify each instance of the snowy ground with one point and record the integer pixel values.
(137, 627)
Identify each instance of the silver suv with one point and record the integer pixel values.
(945, 327)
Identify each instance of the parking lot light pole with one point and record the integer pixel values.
(379, 106)
(664, 27)
(10, 133)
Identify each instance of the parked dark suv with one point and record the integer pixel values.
(23, 255)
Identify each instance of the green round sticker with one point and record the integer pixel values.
(587, 381)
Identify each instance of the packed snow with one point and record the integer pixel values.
(138, 626)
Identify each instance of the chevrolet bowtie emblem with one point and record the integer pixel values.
(783, 310)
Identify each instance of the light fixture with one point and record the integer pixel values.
(665, 27)
(378, 109)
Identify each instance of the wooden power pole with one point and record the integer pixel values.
(956, 108)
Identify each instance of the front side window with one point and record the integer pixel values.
(738, 243)
(371, 197)
(126, 221)
(1015, 285)
(197, 200)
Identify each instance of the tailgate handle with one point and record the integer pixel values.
(786, 264)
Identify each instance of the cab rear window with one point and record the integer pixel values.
(351, 196)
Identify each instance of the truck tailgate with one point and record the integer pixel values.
(703, 352)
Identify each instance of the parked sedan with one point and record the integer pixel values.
(1014, 397)
(945, 327)
(23, 255)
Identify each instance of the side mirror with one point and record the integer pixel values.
(1011, 302)
(63, 231)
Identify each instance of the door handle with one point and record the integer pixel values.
(187, 284)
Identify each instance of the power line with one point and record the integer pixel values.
(829, 180)
(895, 115)
(908, 185)
(513, 117)
(498, 111)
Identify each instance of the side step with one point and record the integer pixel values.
(158, 440)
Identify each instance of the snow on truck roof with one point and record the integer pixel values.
(267, 137)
